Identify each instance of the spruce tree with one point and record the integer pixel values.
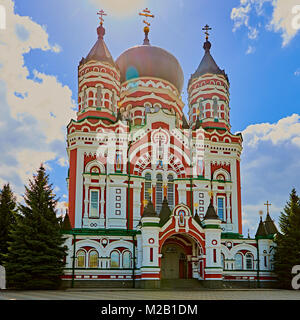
(35, 258)
(7, 218)
(287, 252)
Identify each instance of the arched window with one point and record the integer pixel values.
(93, 259)
(115, 259)
(215, 107)
(223, 261)
(99, 96)
(147, 107)
(238, 262)
(148, 186)
(170, 191)
(126, 259)
(249, 261)
(80, 259)
(159, 192)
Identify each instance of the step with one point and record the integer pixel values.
(181, 284)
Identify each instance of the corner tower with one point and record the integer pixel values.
(208, 96)
(208, 91)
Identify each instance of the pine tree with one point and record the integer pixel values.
(287, 252)
(7, 218)
(35, 258)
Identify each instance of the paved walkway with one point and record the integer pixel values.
(135, 294)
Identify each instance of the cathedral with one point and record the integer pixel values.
(154, 194)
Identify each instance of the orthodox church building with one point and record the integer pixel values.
(155, 195)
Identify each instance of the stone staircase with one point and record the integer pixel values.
(181, 284)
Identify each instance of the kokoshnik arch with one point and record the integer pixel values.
(154, 195)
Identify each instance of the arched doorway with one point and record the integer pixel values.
(173, 262)
(178, 252)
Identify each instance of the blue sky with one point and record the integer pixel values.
(255, 41)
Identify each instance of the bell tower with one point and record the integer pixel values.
(208, 92)
(98, 81)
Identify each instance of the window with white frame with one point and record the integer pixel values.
(249, 261)
(115, 259)
(223, 261)
(126, 259)
(80, 261)
(94, 203)
(148, 186)
(238, 265)
(221, 207)
(170, 191)
(93, 259)
(159, 192)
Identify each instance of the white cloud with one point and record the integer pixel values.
(297, 72)
(270, 167)
(285, 130)
(285, 17)
(35, 108)
(250, 50)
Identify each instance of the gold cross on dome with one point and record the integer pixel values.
(267, 204)
(146, 13)
(101, 13)
(206, 29)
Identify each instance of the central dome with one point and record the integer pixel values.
(150, 61)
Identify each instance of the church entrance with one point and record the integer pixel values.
(175, 262)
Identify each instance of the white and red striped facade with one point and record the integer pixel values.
(129, 144)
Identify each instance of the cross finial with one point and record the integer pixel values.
(267, 204)
(206, 29)
(101, 13)
(146, 13)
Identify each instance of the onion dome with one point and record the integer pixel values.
(150, 61)
(99, 52)
(211, 213)
(208, 64)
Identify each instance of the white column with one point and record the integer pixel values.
(86, 200)
(228, 207)
(102, 201)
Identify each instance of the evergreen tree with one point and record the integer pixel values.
(35, 258)
(287, 252)
(7, 218)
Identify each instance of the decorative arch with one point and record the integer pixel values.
(222, 172)
(95, 163)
